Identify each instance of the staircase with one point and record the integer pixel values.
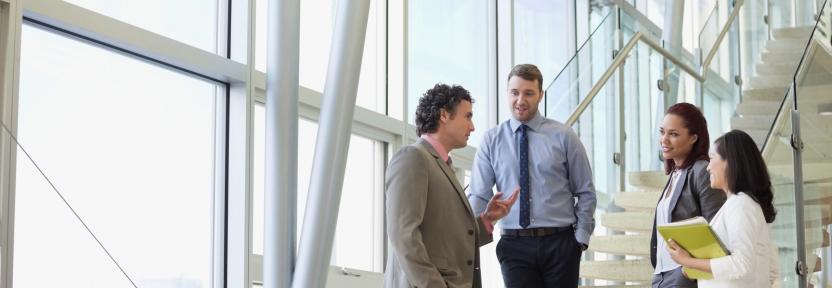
(775, 70)
(633, 245)
(757, 112)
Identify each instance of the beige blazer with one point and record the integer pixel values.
(434, 237)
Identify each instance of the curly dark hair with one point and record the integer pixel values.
(746, 170)
(440, 97)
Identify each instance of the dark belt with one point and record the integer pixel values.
(535, 232)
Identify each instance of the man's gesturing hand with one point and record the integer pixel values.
(497, 209)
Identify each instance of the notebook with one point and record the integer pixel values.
(697, 237)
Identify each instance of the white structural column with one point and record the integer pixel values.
(10, 26)
(281, 143)
(674, 15)
(334, 131)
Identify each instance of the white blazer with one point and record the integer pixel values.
(741, 226)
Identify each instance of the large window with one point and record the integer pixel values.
(541, 30)
(358, 240)
(448, 43)
(317, 19)
(131, 147)
(167, 18)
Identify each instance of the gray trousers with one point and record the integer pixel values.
(672, 279)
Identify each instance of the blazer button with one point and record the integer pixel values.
(470, 262)
(470, 232)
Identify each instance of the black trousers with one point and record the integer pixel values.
(547, 261)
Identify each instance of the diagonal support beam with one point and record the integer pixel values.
(333, 141)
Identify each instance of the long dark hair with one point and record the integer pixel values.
(746, 171)
(696, 125)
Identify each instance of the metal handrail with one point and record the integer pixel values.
(724, 32)
(619, 60)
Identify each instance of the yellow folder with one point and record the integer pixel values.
(697, 237)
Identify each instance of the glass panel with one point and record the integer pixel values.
(780, 163)
(720, 97)
(446, 45)
(815, 108)
(357, 239)
(710, 32)
(597, 128)
(578, 76)
(540, 28)
(753, 38)
(166, 18)
(317, 19)
(630, 25)
(131, 146)
(642, 101)
(780, 13)
(593, 127)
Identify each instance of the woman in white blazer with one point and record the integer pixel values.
(742, 223)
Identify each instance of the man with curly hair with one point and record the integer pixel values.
(434, 236)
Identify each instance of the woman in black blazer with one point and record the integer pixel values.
(688, 193)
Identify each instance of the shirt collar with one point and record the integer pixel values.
(436, 146)
(534, 124)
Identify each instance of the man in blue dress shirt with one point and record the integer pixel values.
(545, 233)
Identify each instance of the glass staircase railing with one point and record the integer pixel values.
(799, 155)
(612, 92)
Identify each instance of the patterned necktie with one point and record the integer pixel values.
(524, 177)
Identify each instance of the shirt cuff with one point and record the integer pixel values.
(488, 226)
(582, 237)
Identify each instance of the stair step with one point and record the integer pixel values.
(816, 237)
(781, 57)
(757, 107)
(765, 94)
(618, 270)
(635, 245)
(814, 216)
(752, 122)
(759, 136)
(762, 81)
(792, 32)
(776, 68)
(810, 196)
(638, 222)
(637, 200)
(787, 44)
(813, 78)
(647, 180)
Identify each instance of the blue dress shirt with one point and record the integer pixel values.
(562, 193)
